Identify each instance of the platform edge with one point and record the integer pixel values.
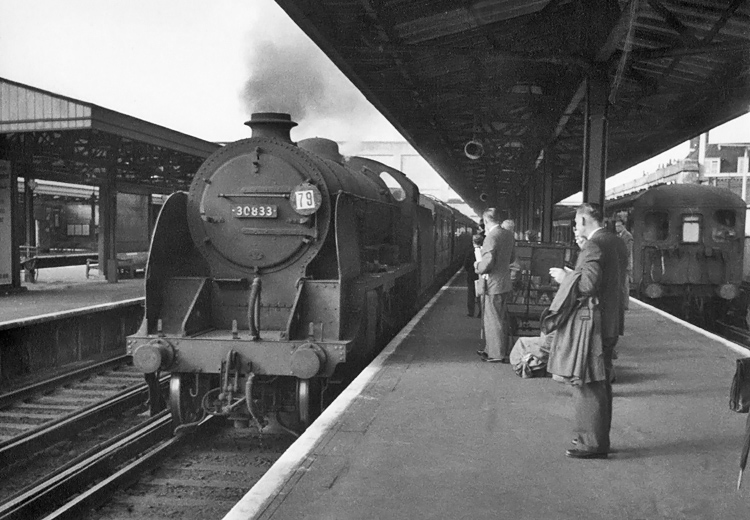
(259, 497)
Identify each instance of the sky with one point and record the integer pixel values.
(194, 66)
(202, 68)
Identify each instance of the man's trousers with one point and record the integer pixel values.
(471, 296)
(593, 407)
(496, 325)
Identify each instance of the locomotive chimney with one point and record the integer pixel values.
(271, 124)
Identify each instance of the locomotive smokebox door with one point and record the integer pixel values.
(261, 204)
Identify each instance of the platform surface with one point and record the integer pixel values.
(437, 434)
(66, 288)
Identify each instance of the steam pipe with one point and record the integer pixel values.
(253, 308)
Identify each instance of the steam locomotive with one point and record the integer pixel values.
(282, 272)
(688, 248)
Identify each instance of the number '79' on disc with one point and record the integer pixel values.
(305, 199)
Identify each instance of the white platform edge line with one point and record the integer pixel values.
(32, 320)
(256, 500)
(736, 347)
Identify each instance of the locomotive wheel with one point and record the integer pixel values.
(308, 401)
(185, 397)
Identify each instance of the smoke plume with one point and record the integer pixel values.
(288, 73)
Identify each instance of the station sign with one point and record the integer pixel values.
(6, 222)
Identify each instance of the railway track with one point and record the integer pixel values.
(207, 472)
(147, 472)
(47, 424)
(26, 409)
(96, 471)
(34, 417)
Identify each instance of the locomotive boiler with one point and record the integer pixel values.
(278, 275)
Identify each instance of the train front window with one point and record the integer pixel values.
(725, 217)
(656, 226)
(691, 229)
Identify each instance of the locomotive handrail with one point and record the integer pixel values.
(260, 194)
(280, 232)
(261, 191)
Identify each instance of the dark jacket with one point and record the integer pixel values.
(469, 266)
(602, 263)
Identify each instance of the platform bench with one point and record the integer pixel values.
(127, 263)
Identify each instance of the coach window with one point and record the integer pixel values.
(396, 190)
(656, 226)
(691, 229)
(725, 217)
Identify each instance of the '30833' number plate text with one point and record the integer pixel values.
(255, 211)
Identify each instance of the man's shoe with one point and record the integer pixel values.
(481, 353)
(496, 360)
(574, 453)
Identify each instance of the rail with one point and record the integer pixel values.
(54, 431)
(56, 489)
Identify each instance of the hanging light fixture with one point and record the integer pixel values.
(474, 149)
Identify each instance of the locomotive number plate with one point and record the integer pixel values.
(255, 211)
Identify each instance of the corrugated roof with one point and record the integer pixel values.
(24, 108)
(70, 140)
(511, 74)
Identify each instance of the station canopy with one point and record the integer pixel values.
(511, 75)
(57, 138)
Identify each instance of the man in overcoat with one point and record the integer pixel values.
(602, 263)
(497, 254)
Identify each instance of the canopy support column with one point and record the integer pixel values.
(108, 225)
(595, 138)
(548, 207)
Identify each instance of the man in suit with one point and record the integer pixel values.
(497, 254)
(602, 263)
(472, 301)
(627, 238)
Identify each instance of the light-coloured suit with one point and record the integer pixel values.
(602, 264)
(497, 254)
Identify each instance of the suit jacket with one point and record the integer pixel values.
(627, 238)
(469, 266)
(602, 263)
(497, 254)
